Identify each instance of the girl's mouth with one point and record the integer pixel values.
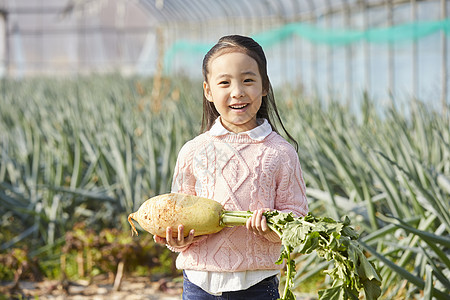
(238, 106)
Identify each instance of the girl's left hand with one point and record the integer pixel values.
(257, 222)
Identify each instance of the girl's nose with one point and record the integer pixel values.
(237, 92)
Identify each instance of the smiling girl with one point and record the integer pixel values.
(242, 162)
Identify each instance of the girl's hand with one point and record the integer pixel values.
(258, 223)
(180, 241)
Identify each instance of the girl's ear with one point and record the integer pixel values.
(207, 91)
(265, 91)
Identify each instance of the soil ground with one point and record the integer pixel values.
(132, 288)
(136, 288)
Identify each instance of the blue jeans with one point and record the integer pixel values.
(267, 289)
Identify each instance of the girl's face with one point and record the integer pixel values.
(235, 87)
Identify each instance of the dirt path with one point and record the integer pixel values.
(136, 288)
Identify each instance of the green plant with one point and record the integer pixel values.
(375, 163)
(89, 149)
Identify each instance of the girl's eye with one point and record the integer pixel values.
(223, 82)
(248, 80)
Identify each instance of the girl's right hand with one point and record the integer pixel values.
(180, 241)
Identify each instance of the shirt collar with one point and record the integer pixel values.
(258, 133)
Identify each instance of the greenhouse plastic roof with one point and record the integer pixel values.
(173, 11)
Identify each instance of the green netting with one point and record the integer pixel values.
(333, 37)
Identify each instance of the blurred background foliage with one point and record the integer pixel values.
(77, 155)
(97, 98)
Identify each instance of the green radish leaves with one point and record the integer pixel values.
(331, 240)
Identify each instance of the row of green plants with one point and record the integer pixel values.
(389, 170)
(92, 149)
(84, 253)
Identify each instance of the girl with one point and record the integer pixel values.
(242, 162)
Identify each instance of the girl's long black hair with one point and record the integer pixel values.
(268, 109)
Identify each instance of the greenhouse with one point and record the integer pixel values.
(99, 97)
(394, 47)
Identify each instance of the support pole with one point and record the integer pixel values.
(366, 49)
(348, 56)
(391, 61)
(414, 73)
(444, 61)
(3, 44)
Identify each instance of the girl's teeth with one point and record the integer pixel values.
(238, 107)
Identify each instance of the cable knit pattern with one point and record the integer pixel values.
(241, 174)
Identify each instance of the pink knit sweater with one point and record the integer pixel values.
(241, 174)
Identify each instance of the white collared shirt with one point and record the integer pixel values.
(258, 133)
(216, 283)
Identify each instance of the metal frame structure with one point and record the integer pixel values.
(142, 40)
